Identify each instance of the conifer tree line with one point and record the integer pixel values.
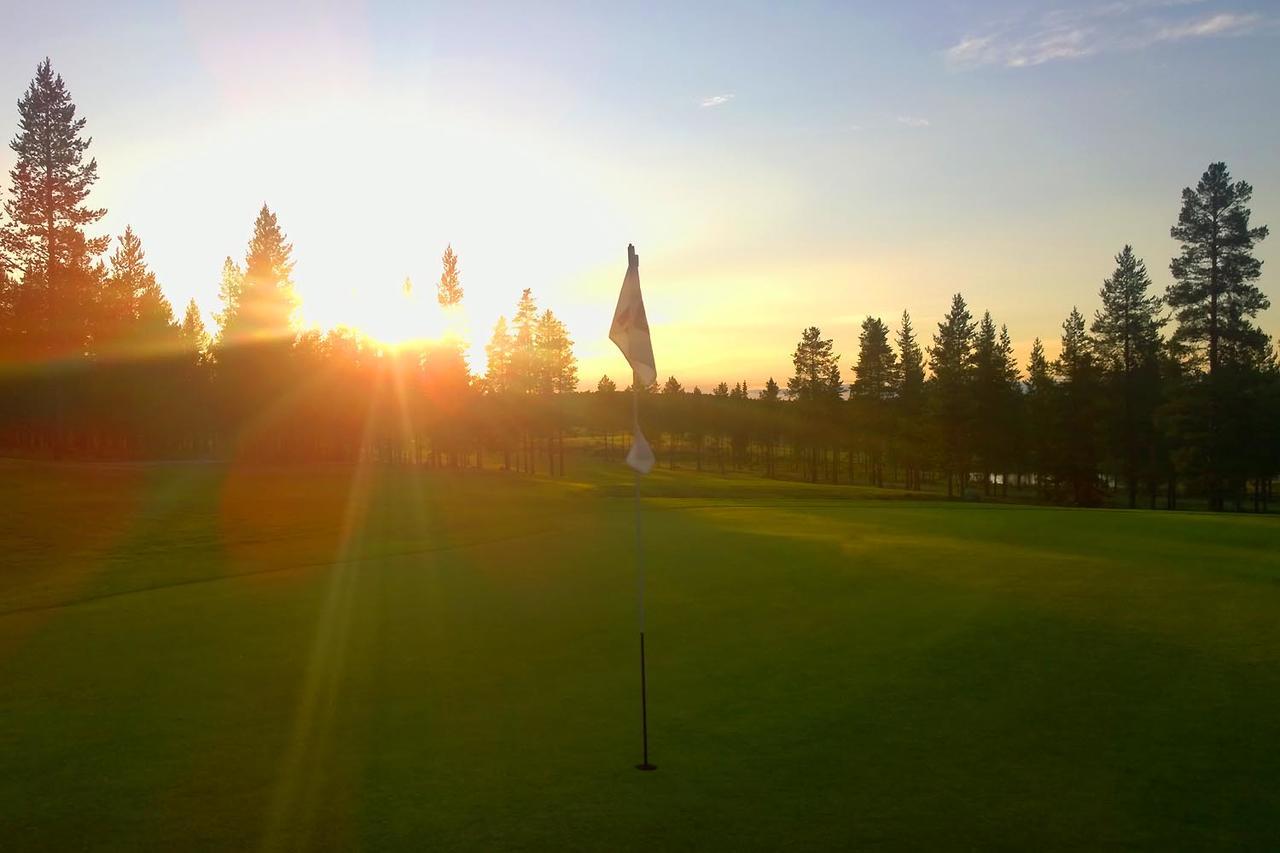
(95, 363)
(1154, 398)
(1157, 396)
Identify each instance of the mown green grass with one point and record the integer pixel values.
(201, 656)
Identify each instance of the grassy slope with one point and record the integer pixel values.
(192, 656)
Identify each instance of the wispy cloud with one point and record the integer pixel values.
(716, 100)
(1224, 24)
(913, 121)
(1075, 33)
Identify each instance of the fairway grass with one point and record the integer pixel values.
(200, 656)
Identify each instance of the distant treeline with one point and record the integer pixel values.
(1155, 397)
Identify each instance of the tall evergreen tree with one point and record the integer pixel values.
(1126, 337)
(49, 186)
(1215, 300)
(875, 382)
(817, 369)
(264, 301)
(876, 371)
(194, 335)
(1009, 413)
(449, 291)
(523, 355)
(1038, 405)
(255, 340)
(815, 386)
(139, 316)
(497, 374)
(988, 397)
(952, 361)
(909, 402)
(1077, 414)
(1213, 295)
(557, 366)
(229, 287)
(995, 394)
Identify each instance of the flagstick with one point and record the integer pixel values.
(644, 703)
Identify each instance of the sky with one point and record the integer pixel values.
(776, 165)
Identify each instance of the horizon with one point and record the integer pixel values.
(795, 195)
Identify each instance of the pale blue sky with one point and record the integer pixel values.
(776, 165)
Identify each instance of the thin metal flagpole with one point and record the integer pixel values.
(644, 701)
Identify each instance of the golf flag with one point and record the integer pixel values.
(640, 457)
(630, 329)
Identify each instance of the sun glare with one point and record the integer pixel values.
(401, 317)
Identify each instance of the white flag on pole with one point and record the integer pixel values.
(640, 457)
(630, 329)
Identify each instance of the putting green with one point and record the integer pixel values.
(198, 656)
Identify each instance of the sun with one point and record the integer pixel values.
(403, 318)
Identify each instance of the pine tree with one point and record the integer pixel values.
(449, 291)
(523, 356)
(817, 369)
(770, 397)
(1008, 417)
(137, 315)
(194, 336)
(1213, 296)
(497, 374)
(672, 386)
(49, 185)
(1039, 404)
(557, 366)
(606, 385)
(1126, 337)
(875, 382)
(909, 402)
(229, 288)
(259, 302)
(816, 387)
(876, 371)
(1077, 415)
(952, 361)
(256, 336)
(1215, 301)
(995, 395)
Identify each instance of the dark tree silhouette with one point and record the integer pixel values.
(449, 291)
(909, 432)
(874, 385)
(1078, 399)
(1126, 335)
(815, 387)
(1214, 299)
(48, 187)
(951, 360)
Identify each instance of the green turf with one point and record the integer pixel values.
(197, 657)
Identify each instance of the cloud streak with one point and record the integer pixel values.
(716, 100)
(913, 121)
(1067, 34)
